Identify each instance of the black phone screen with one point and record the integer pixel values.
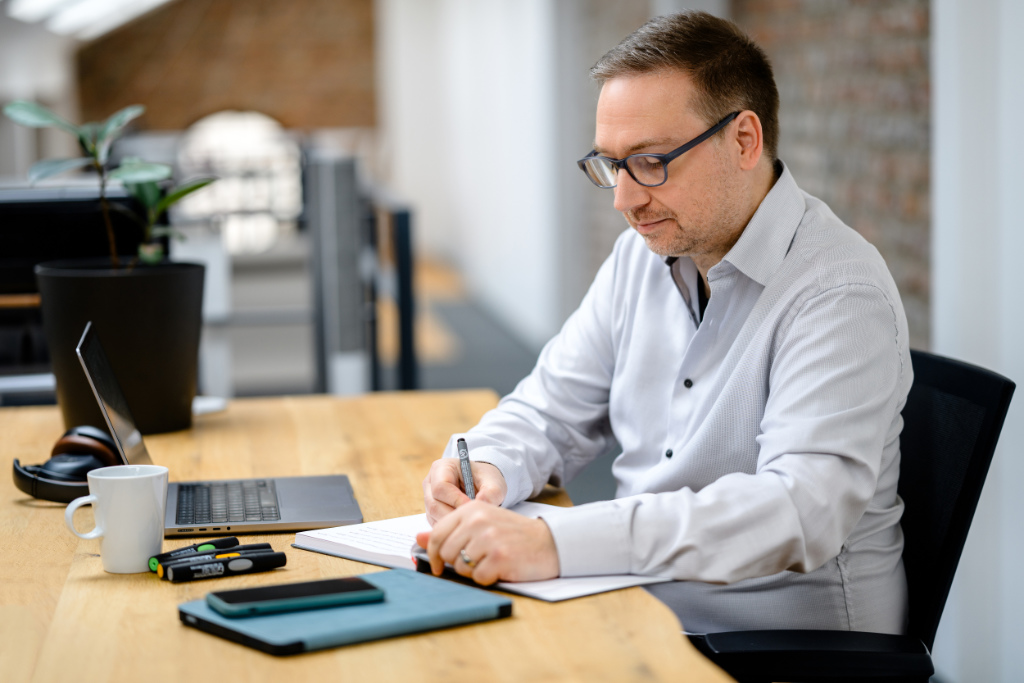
(287, 591)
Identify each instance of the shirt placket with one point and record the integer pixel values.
(685, 393)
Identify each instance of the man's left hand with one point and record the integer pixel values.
(500, 545)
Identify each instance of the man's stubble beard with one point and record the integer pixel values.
(715, 223)
(680, 241)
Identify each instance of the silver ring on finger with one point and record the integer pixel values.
(466, 558)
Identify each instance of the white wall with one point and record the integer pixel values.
(978, 307)
(34, 65)
(485, 106)
(467, 101)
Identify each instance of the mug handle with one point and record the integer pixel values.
(69, 513)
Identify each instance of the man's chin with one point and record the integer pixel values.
(660, 246)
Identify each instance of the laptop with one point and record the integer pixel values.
(220, 507)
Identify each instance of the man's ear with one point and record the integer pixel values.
(749, 139)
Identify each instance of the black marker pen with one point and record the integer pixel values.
(215, 544)
(234, 566)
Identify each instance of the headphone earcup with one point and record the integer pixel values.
(68, 467)
(88, 440)
(28, 480)
(97, 433)
(63, 477)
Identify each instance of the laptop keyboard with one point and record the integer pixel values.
(251, 500)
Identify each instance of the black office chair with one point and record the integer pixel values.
(952, 421)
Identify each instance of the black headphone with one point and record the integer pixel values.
(62, 478)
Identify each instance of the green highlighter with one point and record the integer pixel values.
(181, 553)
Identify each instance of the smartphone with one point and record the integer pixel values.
(290, 597)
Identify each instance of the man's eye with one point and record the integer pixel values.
(646, 163)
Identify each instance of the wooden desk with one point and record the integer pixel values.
(63, 619)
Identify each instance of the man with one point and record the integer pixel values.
(746, 349)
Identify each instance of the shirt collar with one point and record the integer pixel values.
(764, 243)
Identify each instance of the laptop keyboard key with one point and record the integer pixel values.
(233, 501)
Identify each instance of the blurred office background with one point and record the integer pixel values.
(469, 115)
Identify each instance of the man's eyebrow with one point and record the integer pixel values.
(633, 149)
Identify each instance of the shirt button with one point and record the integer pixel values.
(687, 382)
(668, 453)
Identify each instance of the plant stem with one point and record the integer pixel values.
(106, 215)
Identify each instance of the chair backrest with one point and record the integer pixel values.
(952, 421)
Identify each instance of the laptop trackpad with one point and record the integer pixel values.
(326, 499)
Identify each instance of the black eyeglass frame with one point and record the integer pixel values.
(665, 159)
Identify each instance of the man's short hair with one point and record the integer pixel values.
(730, 72)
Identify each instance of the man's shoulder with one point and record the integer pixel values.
(826, 253)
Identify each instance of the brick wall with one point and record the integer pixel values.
(307, 63)
(854, 87)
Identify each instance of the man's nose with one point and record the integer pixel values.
(629, 194)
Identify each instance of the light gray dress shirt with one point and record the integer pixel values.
(760, 447)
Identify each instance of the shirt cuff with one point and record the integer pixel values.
(592, 539)
(518, 486)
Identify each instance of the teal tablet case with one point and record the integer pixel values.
(413, 602)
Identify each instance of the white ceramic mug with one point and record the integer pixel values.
(129, 503)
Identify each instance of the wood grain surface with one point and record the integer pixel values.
(62, 618)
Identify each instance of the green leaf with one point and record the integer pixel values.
(113, 126)
(141, 172)
(147, 193)
(87, 133)
(180, 192)
(119, 120)
(36, 116)
(51, 167)
(173, 233)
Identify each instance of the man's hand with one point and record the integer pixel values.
(499, 544)
(442, 487)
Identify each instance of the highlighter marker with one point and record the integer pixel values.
(161, 570)
(254, 549)
(234, 566)
(215, 544)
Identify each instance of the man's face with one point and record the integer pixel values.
(695, 213)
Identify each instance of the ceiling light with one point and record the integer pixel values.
(85, 19)
(31, 11)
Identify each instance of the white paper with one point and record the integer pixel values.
(387, 537)
(388, 543)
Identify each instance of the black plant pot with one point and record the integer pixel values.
(148, 319)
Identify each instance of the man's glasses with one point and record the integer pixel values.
(650, 170)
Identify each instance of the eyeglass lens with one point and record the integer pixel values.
(646, 170)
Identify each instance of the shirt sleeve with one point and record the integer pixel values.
(836, 386)
(556, 419)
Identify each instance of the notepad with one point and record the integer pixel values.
(388, 542)
(413, 603)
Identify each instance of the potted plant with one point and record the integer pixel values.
(146, 310)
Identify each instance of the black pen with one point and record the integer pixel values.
(467, 471)
(233, 566)
(162, 568)
(194, 549)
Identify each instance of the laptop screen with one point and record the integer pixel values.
(112, 401)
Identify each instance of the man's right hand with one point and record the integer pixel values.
(442, 487)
